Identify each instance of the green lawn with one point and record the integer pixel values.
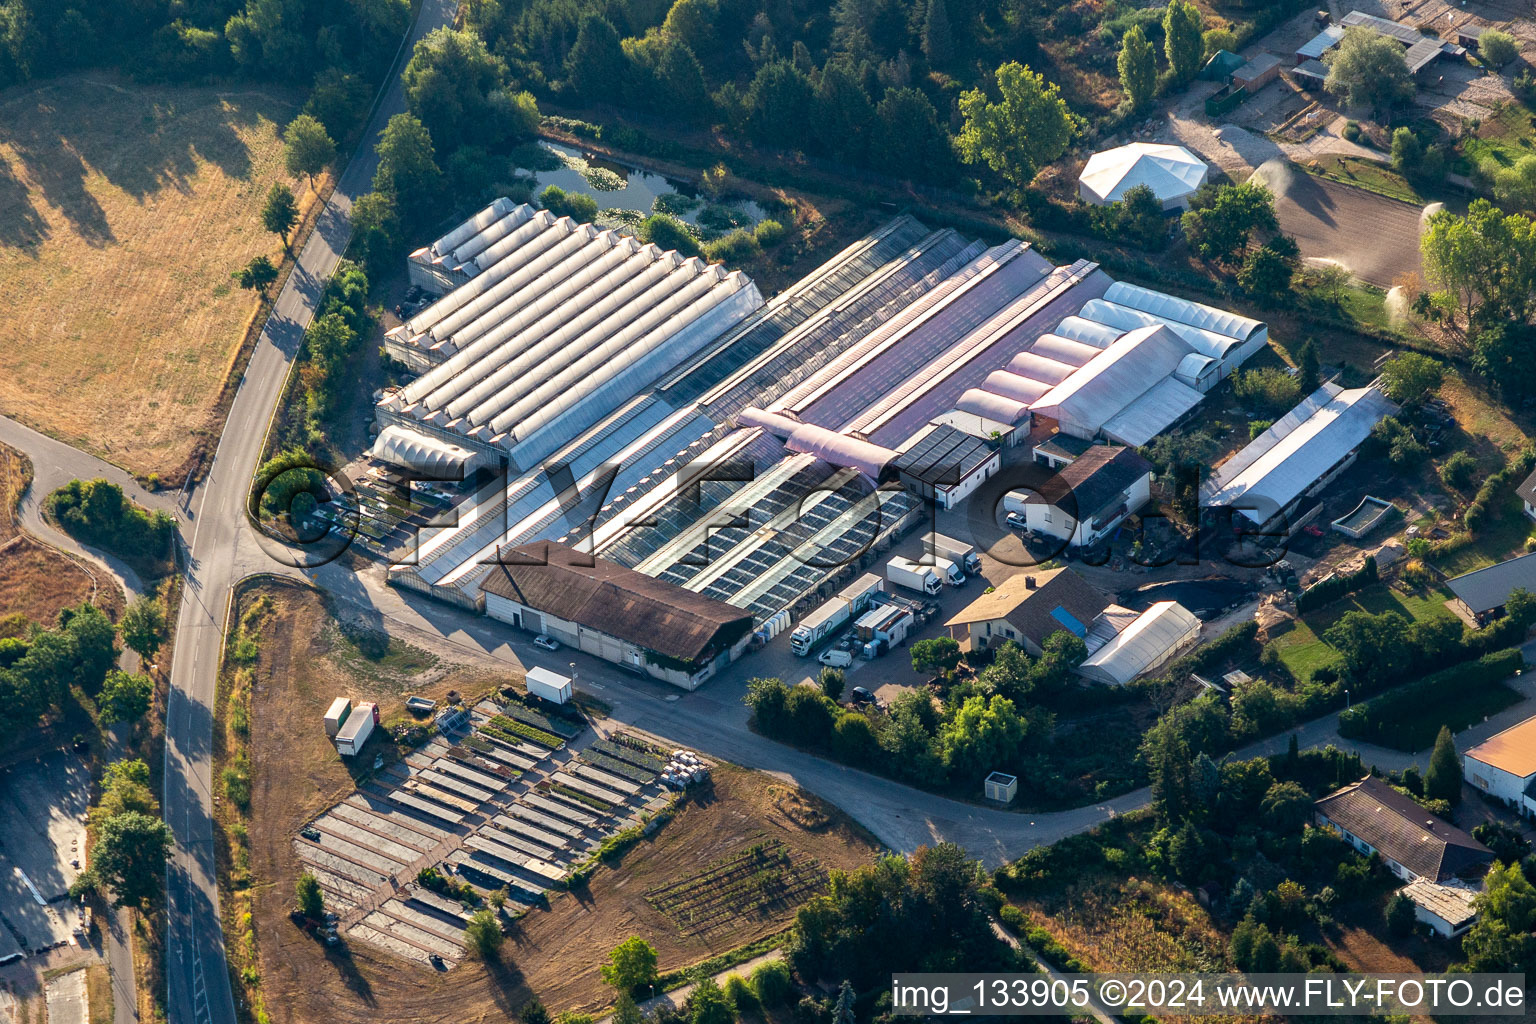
(1504, 138)
(1302, 648)
(1366, 174)
(1502, 539)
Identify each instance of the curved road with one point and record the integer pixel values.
(196, 966)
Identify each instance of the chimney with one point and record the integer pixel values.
(1029, 583)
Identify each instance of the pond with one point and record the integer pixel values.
(626, 193)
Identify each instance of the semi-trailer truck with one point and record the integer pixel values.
(819, 625)
(906, 573)
(957, 551)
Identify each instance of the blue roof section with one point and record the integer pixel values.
(1065, 617)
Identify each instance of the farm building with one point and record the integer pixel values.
(1143, 646)
(1527, 493)
(1421, 50)
(1091, 497)
(1173, 174)
(1028, 609)
(1480, 595)
(617, 614)
(1504, 767)
(1270, 481)
(1375, 818)
(945, 465)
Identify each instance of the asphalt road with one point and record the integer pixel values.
(196, 967)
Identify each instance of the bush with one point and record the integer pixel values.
(576, 205)
(98, 513)
(735, 247)
(771, 983)
(1457, 471)
(769, 233)
(666, 232)
(1497, 48)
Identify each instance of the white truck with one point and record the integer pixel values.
(356, 729)
(820, 624)
(906, 573)
(949, 572)
(956, 551)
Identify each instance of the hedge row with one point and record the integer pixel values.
(1387, 720)
(513, 730)
(1337, 586)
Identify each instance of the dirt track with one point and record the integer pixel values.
(1373, 237)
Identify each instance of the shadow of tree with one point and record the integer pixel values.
(142, 139)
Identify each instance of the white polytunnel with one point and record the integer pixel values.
(1217, 346)
(1064, 350)
(428, 455)
(1036, 367)
(1012, 385)
(1090, 332)
(1156, 635)
(826, 444)
(993, 407)
(1184, 311)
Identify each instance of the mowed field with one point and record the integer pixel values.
(667, 889)
(124, 208)
(37, 581)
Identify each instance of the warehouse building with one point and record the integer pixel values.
(1504, 767)
(616, 614)
(758, 457)
(1273, 480)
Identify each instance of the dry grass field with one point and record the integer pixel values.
(124, 208)
(554, 952)
(37, 581)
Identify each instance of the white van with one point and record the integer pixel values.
(836, 658)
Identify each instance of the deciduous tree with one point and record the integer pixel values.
(1028, 127)
(1368, 70)
(125, 698)
(307, 148)
(631, 965)
(1183, 41)
(143, 626)
(129, 856)
(309, 898)
(280, 212)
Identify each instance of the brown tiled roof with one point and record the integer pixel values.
(1402, 830)
(1058, 599)
(1093, 480)
(603, 595)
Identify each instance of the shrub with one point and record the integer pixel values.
(735, 247)
(1497, 48)
(666, 232)
(771, 983)
(1336, 586)
(575, 205)
(769, 233)
(1457, 471)
(740, 994)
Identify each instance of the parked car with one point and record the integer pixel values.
(862, 696)
(311, 833)
(546, 642)
(1017, 522)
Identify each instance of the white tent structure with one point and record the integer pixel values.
(1173, 174)
(1130, 392)
(1156, 635)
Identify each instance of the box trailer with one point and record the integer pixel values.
(906, 573)
(336, 716)
(957, 551)
(820, 624)
(357, 728)
(860, 594)
(1014, 501)
(551, 686)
